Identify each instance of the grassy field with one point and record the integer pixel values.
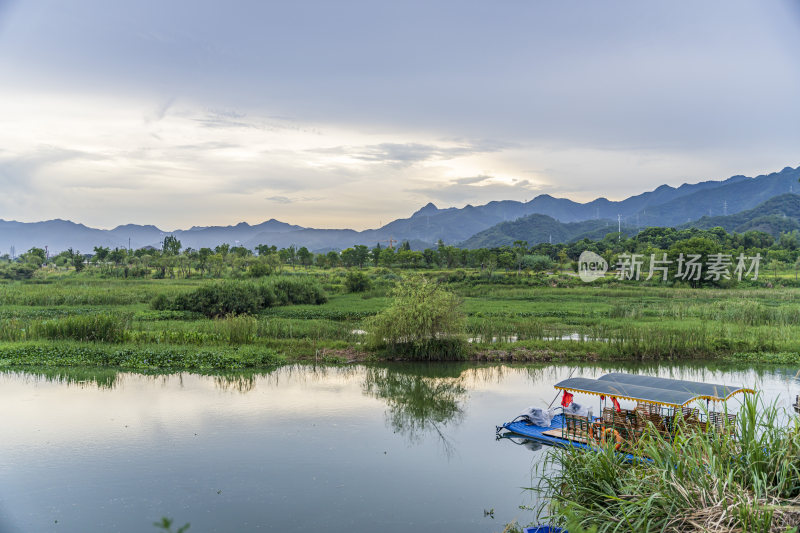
(85, 320)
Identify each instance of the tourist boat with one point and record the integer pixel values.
(661, 402)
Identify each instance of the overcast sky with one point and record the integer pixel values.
(349, 114)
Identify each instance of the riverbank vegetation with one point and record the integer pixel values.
(502, 317)
(517, 303)
(742, 479)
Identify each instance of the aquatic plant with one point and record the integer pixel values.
(744, 478)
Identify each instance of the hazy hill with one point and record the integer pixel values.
(664, 206)
(735, 196)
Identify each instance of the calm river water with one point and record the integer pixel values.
(391, 448)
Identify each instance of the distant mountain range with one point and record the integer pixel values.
(776, 215)
(541, 219)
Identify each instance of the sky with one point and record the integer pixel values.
(351, 114)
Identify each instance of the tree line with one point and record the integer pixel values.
(171, 260)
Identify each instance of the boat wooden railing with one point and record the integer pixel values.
(625, 421)
(649, 413)
(576, 427)
(722, 421)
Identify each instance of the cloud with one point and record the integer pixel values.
(22, 167)
(159, 112)
(407, 154)
(472, 180)
(296, 199)
(279, 199)
(479, 190)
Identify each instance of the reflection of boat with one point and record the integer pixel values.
(661, 404)
(544, 529)
(532, 445)
(797, 404)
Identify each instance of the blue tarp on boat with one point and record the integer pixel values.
(536, 433)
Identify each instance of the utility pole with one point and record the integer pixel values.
(725, 207)
(619, 227)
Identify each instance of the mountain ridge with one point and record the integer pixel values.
(663, 206)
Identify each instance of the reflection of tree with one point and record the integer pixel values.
(420, 398)
(101, 378)
(243, 383)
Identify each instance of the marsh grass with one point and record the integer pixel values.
(233, 330)
(744, 478)
(604, 322)
(110, 328)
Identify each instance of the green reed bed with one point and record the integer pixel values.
(136, 357)
(603, 322)
(743, 479)
(236, 330)
(91, 292)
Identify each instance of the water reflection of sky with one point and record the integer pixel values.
(392, 447)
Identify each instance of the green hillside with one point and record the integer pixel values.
(542, 228)
(775, 216)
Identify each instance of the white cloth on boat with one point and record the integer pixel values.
(576, 409)
(538, 416)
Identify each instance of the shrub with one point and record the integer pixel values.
(357, 281)
(243, 297)
(423, 322)
(18, 271)
(221, 299)
(297, 290)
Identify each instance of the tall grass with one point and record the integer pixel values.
(233, 330)
(111, 328)
(745, 478)
(67, 292)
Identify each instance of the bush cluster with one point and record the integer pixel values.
(243, 297)
(357, 281)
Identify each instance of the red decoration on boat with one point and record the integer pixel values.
(567, 399)
(617, 408)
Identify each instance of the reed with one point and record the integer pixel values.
(743, 478)
(110, 328)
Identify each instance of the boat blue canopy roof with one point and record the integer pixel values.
(661, 391)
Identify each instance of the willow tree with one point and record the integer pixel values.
(424, 321)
